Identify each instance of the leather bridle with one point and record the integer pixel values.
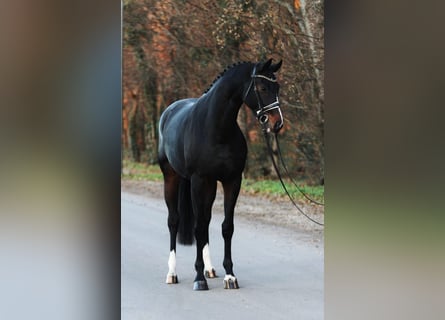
(262, 110)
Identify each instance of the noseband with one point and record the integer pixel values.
(262, 110)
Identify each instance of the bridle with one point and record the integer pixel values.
(262, 110)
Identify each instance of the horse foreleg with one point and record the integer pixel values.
(209, 270)
(231, 192)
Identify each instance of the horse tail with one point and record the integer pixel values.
(186, 216)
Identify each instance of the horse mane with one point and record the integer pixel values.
(223, 72)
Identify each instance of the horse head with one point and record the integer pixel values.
(261, 95)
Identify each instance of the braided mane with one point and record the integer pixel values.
(223, 72)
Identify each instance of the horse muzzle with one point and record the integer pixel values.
(278, 125)
(267, 126)
(271, 120)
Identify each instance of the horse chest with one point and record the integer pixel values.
(222, 160)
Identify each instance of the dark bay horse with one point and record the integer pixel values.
(201, 143)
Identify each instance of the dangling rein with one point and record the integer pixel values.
(269, 148)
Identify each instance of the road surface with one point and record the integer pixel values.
(280, 271)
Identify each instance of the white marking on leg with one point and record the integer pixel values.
(206, 256)
(172, 263)
(230, 282)
(171, 275)
(229, 277)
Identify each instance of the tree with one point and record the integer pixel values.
(175, 49)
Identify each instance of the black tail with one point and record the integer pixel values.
(186, 234)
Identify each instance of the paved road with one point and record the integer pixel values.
(280, 272)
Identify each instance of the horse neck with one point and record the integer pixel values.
(225, 100)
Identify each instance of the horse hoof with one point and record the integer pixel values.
(230, 282)
(200, 285)
(210, 273)
(171, 279)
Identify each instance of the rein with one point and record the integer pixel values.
(288, 174)
(269, 148)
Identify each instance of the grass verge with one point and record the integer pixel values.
(265, 187)
(140, 171)
(274, 188)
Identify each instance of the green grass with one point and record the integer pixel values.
(141, 171)
(274, 188)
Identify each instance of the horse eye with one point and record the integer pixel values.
(263, 88)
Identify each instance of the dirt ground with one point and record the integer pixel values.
(273, 211)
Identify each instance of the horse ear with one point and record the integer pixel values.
(264, 66)
(276, 67)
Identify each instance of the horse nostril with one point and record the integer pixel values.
(278, 125)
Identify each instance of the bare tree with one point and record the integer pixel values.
(177, 48)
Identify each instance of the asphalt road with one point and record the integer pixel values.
(280, 272)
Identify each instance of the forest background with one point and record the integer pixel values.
(175, 49)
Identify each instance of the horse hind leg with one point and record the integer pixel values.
(203, 194)
(172, 277)
(171, 186)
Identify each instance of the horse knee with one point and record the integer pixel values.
(227, 230)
